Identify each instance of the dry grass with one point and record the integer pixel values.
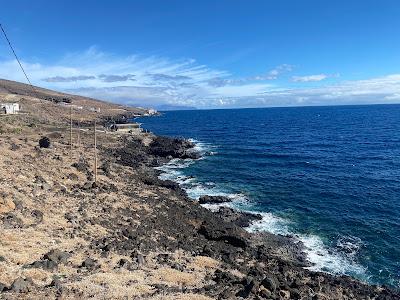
(174, 277)
(188, 296)
(112, 285)
(28, 241)
(203, 263)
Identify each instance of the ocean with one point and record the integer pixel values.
(329, 176)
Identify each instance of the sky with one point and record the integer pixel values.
(208, 54)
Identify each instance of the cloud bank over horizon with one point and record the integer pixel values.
(153, 81)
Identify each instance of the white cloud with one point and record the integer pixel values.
(151, 81)
(274, 73)
(309, 78)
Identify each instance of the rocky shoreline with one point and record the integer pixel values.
(131, 235)
(277, 268)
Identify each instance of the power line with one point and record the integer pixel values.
(16, 57)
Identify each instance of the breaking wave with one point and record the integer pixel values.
(340, 260)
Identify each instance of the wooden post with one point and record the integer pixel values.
(79, 135)
(95, 152)
(70, 130)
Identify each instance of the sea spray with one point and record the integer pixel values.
(317, 253)
(332, 172)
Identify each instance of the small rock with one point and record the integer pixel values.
(14, 147)
(81, 166)
(44, 142)
(89, 264)
(39, 179)
(264, 293)
(11, 221)
(269, 282)
(207, 250)
(251, 286)
(3, 287)
(22, 285)
(57, 256)
(221, 277)
(284, 294)
(123, 262)
(72, 176)
(87, 186)
(43, 264)
(56, 283)
(18, 204)
(38, 215)
(2, 259)
(69, 216)
(129, 233)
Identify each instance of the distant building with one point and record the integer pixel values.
(128, 127)
(9, 108)
(70, 105)
(94, 109)
(151, 112)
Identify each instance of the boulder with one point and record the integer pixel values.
(22, 285)
(89, 264)
(214, 199)
(231, 234)
(57, 256)
(240, 218)
(172, 148)
(3, 287)
(51, 260)
(37, 215)
(270, 283)
(44, 142)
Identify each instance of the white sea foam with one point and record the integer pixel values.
(201, 147)
(270, 223)
(328, 260)
(322, 257)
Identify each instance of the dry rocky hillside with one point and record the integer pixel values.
(48, 106)
(129, 235)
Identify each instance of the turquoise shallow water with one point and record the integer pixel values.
(330, 176)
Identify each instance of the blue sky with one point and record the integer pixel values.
(209, 54)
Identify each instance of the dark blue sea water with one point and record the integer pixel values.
(328, 175)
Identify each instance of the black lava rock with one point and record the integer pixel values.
(22, 285)
(44, 142)
(89, 264)
(214, 199)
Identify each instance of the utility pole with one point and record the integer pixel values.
(79, 135)
(70, 130)
(95, 152)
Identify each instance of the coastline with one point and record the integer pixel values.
(132, 235)
(286, 250)
(319, 257)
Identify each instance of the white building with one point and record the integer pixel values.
(9, 108)
(151, 112)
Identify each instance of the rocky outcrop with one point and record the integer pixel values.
(239, 218)
(230, 234)
(172, 148)
(51, 260)
(214, 199)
